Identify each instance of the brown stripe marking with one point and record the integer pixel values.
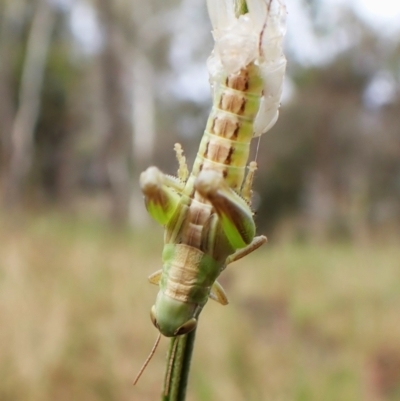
(242, 107)
(232, 102)
(226, 128)
(239, 81)
(228, 160)
(260, 49)
(213, 125)
(218, 152)
(206, 150)
(236, 131)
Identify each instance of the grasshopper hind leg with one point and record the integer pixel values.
(234, 213)
(241, 253)
(218, 294)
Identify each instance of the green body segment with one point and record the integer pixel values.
(188, 273)
(226, 141)
(185, 285)
(207, 217)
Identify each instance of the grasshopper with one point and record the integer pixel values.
(207, 214)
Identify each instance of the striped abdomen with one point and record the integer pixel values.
(226, 141)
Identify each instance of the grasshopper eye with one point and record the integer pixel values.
(186, 327)
(153, 316)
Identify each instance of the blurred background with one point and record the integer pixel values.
(92, 92)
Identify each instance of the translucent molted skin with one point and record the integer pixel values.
(255, 37)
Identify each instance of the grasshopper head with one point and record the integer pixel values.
(171, 317)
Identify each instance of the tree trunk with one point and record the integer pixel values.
(22, 135)
(117, 145)
(143, 105)
(7, 42)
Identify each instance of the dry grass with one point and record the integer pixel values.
(305, 323)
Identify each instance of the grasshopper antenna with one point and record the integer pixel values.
(152, 352)
(170, 365)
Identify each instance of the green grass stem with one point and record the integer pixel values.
(178, 366)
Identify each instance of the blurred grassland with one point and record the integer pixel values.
(305, 323)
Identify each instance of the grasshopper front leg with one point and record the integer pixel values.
(234, 213)
(161, 194)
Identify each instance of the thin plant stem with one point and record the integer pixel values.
(178, 366)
